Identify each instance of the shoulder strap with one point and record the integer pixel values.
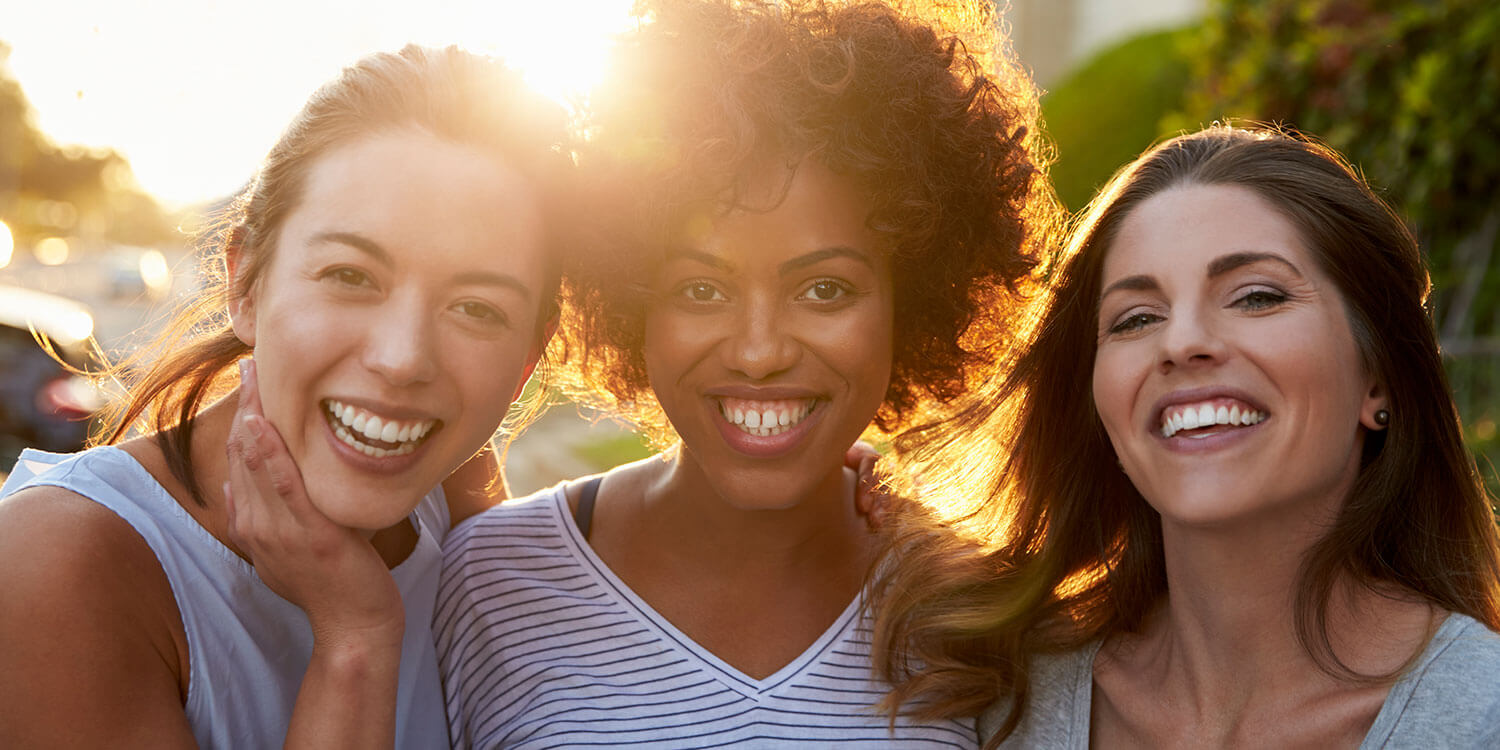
(583, 515)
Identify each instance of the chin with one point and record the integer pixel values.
(355, 506)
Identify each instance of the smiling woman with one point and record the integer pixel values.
(385, 286)
(812, 211)
(1268, 532)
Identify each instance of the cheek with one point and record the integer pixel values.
(1112, 389)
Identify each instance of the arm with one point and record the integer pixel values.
(348, 694)
(92, 652)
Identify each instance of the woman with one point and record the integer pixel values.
(1266, 531)
(825, 205)
(390, 272)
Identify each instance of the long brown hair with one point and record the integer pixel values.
(1059, 548)
(448, 93)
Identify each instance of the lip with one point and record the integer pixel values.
(1181, 444)
(383, 465)
(1191, 395)
(768, 446)
(763, 392)
(405, 413)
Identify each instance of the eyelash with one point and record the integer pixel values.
(1255, 300)
(349, 277)
(841, 288)
(1265, 299)
(687, 290)
(1134, 323)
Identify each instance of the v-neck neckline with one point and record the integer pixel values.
(707, 660)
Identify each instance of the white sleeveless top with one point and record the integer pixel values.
(247, 647)
(542, 646)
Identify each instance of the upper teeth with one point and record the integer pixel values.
(1193, 416)
(357, 423)
(764, 418)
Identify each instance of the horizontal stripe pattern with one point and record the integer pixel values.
(542, 647)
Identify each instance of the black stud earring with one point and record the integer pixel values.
(1382, 417)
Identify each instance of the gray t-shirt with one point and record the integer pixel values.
(1450, 698)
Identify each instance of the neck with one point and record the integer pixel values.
(1228, 631)
(682, 503)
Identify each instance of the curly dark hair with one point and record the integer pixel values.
(924, 109)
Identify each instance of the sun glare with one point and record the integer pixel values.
(560, 48)
(195, 117)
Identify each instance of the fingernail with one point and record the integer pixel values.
(242, 364)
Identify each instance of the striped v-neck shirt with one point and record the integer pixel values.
(542, 646)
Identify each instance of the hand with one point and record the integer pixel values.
(870, 498)
(330, 571)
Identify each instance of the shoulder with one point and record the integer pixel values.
(1058, 691)
(87, 606)
(1451, 696)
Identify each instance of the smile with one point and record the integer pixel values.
(373, 435)
(765, 418)
(1198, 418)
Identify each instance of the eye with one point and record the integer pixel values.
(1260, 299)
(482, 313)
(700, 291)
(350, 277)
(825, 290)
(1134, 322)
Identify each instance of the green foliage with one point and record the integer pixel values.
(615, 450)
(1408, 91)
(1110, 109)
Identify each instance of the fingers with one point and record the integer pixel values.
(249, 388)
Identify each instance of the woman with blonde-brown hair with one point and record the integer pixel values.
(1222, 497)
(385, 285)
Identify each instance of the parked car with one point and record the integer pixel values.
(43, 404)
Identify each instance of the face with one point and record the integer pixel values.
(769, 343)
(1226, 373)
(396, 319)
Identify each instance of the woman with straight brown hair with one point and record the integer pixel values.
(1222, 497)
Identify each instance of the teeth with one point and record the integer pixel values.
(1206, 415)
(354, 427)
(762, 418)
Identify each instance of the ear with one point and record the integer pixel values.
(535, 354)
(241, 307)
(1375, 400)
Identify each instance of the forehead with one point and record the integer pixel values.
(1178, 232)
(430, 202)
(788, 211)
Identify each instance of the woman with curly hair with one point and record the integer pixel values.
(1225, 485)
(815, 213)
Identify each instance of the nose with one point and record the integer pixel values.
(1190, 339)
(401, 342)
(761, 344)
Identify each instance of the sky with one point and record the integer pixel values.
(194, 92)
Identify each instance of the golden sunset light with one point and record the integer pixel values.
(193, 92)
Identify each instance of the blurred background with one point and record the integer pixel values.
(125, 124)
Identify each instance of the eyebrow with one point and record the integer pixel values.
(1217, 267)
(1226, 263)
(801, 261)
(382, 256)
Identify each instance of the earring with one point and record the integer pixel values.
(1382, 417)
